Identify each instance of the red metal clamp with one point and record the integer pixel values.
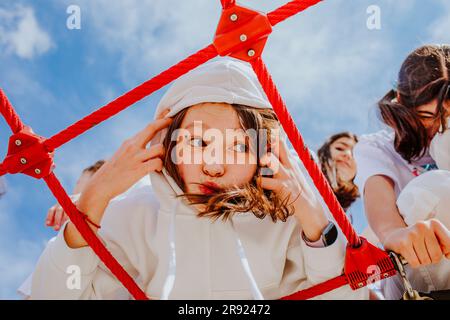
(27, 154)
(242, 33)
(367, 264)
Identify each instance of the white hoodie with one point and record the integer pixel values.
(428, 197)
(172, 253)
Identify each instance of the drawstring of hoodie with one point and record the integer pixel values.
(171, 272)
(257, 295)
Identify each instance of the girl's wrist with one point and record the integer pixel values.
(313, 231)
(312, 219)
(93, 204)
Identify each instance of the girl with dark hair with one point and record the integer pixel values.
(337, 163)
(416, 111)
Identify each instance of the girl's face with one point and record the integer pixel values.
(214, 150)
(342, 155)
(428, 115)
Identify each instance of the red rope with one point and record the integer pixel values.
(151, 86)
(131, 97)
(299, 145)
(289, 9)
(318, 289)
(91, 238)
(10, 115)
(227, 3)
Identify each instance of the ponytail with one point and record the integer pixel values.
(411, 138)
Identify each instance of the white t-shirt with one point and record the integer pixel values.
(375, 155)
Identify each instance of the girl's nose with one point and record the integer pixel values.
(214, 170)
(348, 154)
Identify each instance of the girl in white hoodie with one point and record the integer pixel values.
(222, 218)
(415, 111)
(423, 199)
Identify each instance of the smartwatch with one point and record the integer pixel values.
(329, 234)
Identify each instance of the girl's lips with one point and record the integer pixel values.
(209, 187)
(205, 189)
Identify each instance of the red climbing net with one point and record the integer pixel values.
(242, 33)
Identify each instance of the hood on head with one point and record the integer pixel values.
(224, 80)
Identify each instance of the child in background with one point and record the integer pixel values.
(339, 167)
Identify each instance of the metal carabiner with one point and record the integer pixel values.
(410, 293)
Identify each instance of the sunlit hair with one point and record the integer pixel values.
(424, 76)
(346, 191)
(250, 197)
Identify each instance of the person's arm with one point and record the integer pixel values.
(420, 244)
(66, 273)
(127, 166)
(382, 218)
(287, 181)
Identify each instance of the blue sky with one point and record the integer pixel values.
(328, 65)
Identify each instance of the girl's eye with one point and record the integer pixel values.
(426, 118)
(240, 147)
(197, 142)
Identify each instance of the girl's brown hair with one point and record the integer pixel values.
(346, 191)
(423, 77)
(95, 167)
(248, 198)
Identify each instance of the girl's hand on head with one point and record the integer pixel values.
(286, 182)
(132, 161)
(421, 244)
(126, 167)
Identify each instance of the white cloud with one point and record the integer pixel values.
(21, 34)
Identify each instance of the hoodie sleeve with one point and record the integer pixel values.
(324, 263)
(313, 266)
(416, 203)
(66, 273)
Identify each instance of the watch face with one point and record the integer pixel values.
(330, 234)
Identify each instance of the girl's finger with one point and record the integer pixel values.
(421, 252)
(58, 214)
(273, 163)
(442, 235)
(152, 165)
(270, 184)
(433, 248)
(49, 221)
(154, 151)
(410, 255)
(280, 149)
(144, 136)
